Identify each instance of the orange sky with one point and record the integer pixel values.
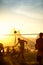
(19, 22)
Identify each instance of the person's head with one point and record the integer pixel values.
(1, 46)
(41, 35)
(18, 39)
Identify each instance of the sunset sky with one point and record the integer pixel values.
(23, 15)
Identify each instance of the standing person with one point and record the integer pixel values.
(8, 50)
(1, 54)
(21, 42)
(39, 47)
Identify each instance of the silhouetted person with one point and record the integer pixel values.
(1, 54)
(2, 60)
(8, 50)
(39, 47)
(13, 52)
(21, 42)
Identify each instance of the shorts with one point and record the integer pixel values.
(39, 58)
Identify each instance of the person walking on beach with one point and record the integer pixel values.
(39, 47)
(21, 42)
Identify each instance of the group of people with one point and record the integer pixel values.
(38, 46)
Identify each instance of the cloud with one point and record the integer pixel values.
(26, 7)
(33, 3)
(35, 6)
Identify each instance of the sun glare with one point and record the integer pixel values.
(4, 30)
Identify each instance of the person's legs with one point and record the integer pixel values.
(39, 59)
(22, 53)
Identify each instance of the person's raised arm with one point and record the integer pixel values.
(25, 41)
